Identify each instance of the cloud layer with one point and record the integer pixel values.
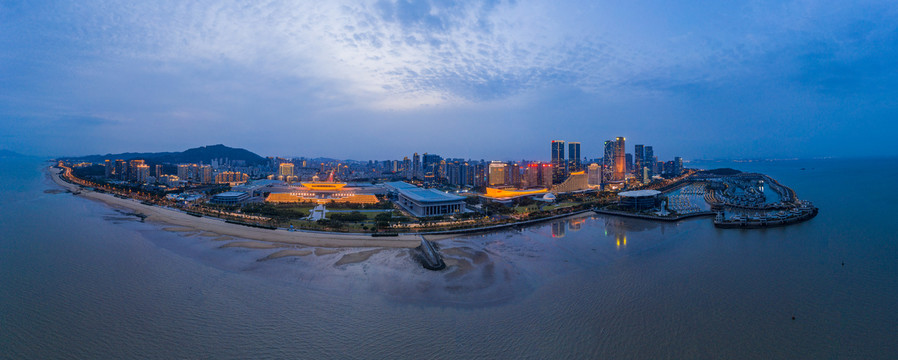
(482, 79)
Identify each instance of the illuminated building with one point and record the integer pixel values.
(678, 166)
(531, 176)
(184, 172)
(573, 156)
(430, 167)
(416, 166)
(204, 173)
(158, 172)
(558, 163)
(108, 168)
(649, 161)
(169, 180)
(231, 177)
(576, 181)
(497, 173)
(496, 193)
(229, 198)
(608, 162)
(594, 174)
(547, 172)
(285, 169)
(639, 199)
(513, 175)
(425, 202)
(132, 169)
(141, 173)
(639, 161)
(620, 159)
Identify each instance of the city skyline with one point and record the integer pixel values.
(477, 79)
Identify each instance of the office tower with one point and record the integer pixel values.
(573, 156)
(649, 160)
(594, 174)
(285, 169)
(620, 159)
(608, 162)
(416, 166)
(558, 162)
(629, 161)
(497, 173)
(639, 160)
(678, 166)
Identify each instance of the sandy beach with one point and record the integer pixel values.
(173, 217)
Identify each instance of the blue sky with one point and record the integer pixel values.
(480, 79)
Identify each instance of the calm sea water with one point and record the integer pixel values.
(81, 280)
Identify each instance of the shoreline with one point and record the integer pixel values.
(282, 236)
(158, 214)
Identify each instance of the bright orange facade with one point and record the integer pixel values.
(502, 193)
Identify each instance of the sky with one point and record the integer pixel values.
(474, 79)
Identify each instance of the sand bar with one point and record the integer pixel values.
(173, 217)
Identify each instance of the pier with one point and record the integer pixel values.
(430, 257)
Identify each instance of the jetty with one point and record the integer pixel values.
(430, 257)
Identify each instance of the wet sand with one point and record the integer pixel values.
(251, 245)
(356, 257)
(287, 253)
(220, 228)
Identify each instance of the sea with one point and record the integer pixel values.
(81, 280)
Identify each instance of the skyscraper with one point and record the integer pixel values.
(416, 166)
(620, 159)
(573, 156)
(639, 160)
(558, 162)
(608, 162)
(649, 160)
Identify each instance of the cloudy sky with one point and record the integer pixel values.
(479, 79)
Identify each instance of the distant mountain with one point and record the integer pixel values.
(9, 154)
(203, 154)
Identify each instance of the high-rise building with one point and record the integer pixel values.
(158, 170)
(531, 176)
(497, 173)
(431, 166)
(205, 174)
(285, 169)
(620, 159)
(608, 162)
(513, 175)
(594, 174)
(141, 173)
(407, 168)
(184, 172)
(573, 156)
(639, 160)
(109, 168)
(650, 161)
(629, 161)
(559, 164)
(416, 166)
(678, 166)
(546, 175)
(132, 169)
